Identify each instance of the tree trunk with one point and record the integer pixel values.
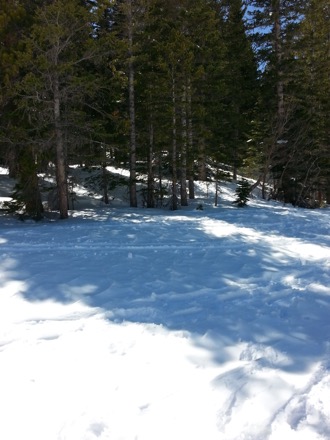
(12, 163)
(29, 183)
(131, 97)
(61, 177)
(174, 146)
(190, 146)
(183, 174)
(216, 195)
(105, 183)
(150, 185)
(191, 184)
(278, 54)
(202, 174)
(235, 154)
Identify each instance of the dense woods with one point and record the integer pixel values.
(166, 88)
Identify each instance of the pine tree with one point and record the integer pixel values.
(13, 23)
(17, 152)
(242, 193)
(311, 86)
(184, 48)
(56, 83)
(241, 84)
(275, 24)
(128, 24)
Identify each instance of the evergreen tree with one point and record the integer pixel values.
(56, 85)
(182, 74)
(16, 149)
(241, 84)
(311, 87)
(275, 24)
(13, 23)
(242, 193)
(128, 23)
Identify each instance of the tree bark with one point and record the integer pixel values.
(202, 175)
(191, 184)
(61, 177)
(183, 174)
(278, 54)
(216, 195)
(131, 97)
(105, 183)
(150, 184)
(174, 146)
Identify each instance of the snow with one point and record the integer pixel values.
(137, 324)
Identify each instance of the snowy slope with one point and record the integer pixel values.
(136, 324)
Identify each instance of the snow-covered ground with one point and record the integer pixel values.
(137, 324)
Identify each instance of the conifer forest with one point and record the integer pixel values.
(170, 89)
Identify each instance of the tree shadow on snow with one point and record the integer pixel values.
(227, 288)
